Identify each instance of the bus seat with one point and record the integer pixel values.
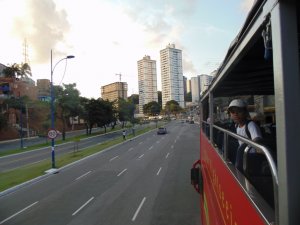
(264, 186)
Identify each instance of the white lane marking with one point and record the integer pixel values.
(167, 155)
(82, 206)
(141, 156)
(3, 221)
(175, 141)
(158, 171)
(140, 143)
(172, 146)
(150, 147)
(121, 173)
(138, 209)
(157, 142)
(130, 149)
(83, 175)
(113, 158)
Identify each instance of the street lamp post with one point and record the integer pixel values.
(21, 121)
(52, 107)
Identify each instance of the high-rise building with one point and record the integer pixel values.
(114, 91)
(171, 75)
(188, 86)
(147, 78)
(184, 85)
(43, 89)
(195, 89)
(205, 81)
(198, 85)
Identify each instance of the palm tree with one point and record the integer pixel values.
(17, 70)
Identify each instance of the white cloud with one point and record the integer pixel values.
(246, 5)
(43, 26)
(106, 37)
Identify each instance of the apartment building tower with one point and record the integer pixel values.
(114, 91)
(205, 81)
(147, 81)
(43, 89)
(171, 75)
(188, 86)
(195, 89)
(199, 85)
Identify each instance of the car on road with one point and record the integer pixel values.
(161, 130)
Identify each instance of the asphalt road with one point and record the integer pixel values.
(11, 162)
(145, 181)
(16, 143)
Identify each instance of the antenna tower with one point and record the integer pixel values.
(120, 75)
(25, 52)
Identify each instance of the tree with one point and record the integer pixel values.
(188, 97)
(151, 108)
(92, 108)
(173, 107)
(134, 99)
(107, 113)
(159, 95)
(3, 121)
(99, 112)
(125, 111)
(17, 70)
(69, 103)
(83, 113)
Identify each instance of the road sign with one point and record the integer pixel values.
(52, 134)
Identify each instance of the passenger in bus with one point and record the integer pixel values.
(244, 127)
(207, 127)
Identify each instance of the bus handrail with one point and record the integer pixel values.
(264, 150)
(253, 144)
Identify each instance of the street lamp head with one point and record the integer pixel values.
(70, 56)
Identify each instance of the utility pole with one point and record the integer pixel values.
(27, 120)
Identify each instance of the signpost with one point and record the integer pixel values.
(52, 134)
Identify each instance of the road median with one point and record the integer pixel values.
(17, 178)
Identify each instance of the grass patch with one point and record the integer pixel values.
(14, 177)
(47, 142)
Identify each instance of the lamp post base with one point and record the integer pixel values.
(52, 171)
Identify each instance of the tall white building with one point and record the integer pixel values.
(195, 88)
(205, 81)
(198, 85)
(188, 86)
(171, 75)
(147, 78)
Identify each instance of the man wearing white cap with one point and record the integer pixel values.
(240, 115)
(244, 127)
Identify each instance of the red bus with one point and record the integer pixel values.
(262, 68)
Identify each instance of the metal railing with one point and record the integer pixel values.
(209, 131)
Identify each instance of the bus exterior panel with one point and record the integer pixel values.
(224, 201)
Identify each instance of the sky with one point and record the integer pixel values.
(108, 37)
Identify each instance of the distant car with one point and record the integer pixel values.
(192, 121)
(161, 130)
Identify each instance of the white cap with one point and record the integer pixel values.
(237, 103)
